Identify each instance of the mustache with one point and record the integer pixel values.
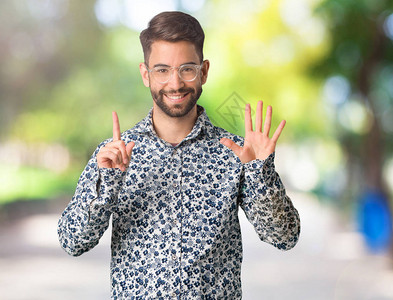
(179, 91)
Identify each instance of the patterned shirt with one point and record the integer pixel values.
(175, 226)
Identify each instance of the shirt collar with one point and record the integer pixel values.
(202, 125)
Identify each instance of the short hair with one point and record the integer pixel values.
(172, 26)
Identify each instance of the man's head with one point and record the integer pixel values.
(173, 26)
(174, 69)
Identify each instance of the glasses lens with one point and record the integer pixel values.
(188, 72)
(161, 74)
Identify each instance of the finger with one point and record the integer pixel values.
(268, 121)
(231, 145)
(121, 148)
(258, 117)
(116, 126)
(247, 118)
(278, 131)
(115, 155)
(124, 153)
(110, 154)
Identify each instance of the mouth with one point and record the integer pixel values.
(176, 98)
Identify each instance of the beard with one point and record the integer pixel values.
(177, 110)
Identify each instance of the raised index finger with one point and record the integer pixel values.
(116, 126)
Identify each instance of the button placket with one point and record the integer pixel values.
(175, 256)
(176, 169)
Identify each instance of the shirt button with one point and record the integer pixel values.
(174, 257)
(175, 185)
(173, 294)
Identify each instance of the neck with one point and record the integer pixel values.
(173, 129)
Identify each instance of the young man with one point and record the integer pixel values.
(174, 183)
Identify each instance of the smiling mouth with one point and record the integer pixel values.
(176, 98)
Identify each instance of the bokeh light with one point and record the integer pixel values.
(388, 26)
(336, 90)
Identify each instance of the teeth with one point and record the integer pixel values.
(174, 97)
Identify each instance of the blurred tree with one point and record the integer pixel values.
(361, 53)
(359, 64)
(62, 72)
(41, 42)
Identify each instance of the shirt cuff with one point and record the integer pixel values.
(108, 186)
(257, 165)
(110, 182)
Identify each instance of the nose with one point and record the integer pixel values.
(175, 82)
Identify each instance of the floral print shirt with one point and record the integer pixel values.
(175, 227)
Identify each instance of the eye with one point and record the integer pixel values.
(161, 70)
(187, 69)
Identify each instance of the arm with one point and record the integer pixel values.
(86, 218)
(262, 196)
(266, 205)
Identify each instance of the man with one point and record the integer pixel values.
(174, 183)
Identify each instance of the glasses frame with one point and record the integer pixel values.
(198, 67)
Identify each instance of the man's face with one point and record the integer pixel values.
(176, 98)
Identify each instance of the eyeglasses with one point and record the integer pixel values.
(163, 74)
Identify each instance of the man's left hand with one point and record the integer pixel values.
(257, 143)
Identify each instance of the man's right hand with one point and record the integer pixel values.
(115, 154)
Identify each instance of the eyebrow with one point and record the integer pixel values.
(164, 65)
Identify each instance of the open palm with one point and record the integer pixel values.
(257, 143)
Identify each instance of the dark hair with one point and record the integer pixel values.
(172, 26)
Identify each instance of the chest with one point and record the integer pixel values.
(200, 178)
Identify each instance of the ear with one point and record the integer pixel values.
(145, 74)
(204, 71)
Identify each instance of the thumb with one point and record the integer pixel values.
(129, 147)
(231, 145)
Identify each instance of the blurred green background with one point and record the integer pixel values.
(325, 66)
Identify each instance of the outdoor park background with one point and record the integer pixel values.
(325, 66)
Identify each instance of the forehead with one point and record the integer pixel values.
(173, 54)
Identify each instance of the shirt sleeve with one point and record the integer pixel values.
(266, 205)
(87, 216)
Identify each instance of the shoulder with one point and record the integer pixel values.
(140, 130)
(133, 135)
